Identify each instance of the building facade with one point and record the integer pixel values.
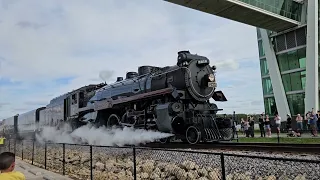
(289, 61)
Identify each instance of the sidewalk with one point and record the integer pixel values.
(35, 173)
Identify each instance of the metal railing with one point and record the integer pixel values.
(102, 162)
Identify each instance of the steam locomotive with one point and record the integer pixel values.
(172, 99)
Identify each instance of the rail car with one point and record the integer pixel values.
(173, 99)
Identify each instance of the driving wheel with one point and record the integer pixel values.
(113, 120)
(165, 140)
(193, 135)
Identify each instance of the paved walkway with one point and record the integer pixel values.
(35, 173)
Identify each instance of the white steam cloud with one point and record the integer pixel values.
(105, 75)
(99, 136)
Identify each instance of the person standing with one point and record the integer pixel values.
(277, 120)
(261, 126)
(2, 141)
(318, 122)
(267, 126)
(288, 124)
(307, 120)
(251, 123)
(313, 124)
(299, 120)
(242, 125)
(246, 127)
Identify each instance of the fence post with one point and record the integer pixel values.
(234, 124)
(14, 146)
(32, 151)
(237, 136)
(45, 155)
(63, 158)
(22, 149)
(134, 164)
(223, 170)
(91, 166)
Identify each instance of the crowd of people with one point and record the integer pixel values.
(309, 122)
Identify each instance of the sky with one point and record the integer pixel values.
(51, 47)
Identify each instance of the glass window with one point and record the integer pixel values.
(298, 80)
(258, 33)
(267, 86)
(287, 8)
(294, 81)
(264, 67)
(283, 62)
(270, 106)
(303, 79)
(286, 82)
(296, 103)
(261, 50)
(302, 57)
(293, 60)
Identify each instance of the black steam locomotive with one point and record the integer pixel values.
(172, 99)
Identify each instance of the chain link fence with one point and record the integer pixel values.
(99, 162)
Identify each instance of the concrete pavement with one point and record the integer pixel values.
(35, 173)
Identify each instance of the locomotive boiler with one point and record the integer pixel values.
(172, 99)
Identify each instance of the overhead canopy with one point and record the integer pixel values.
(241, 12)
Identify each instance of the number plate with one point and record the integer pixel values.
(212, 84)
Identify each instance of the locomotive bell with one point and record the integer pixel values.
(119, 79)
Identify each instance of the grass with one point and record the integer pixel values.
(291, 140)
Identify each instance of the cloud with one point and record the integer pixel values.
(229, 64)
(26, 24)
(2, 104)
(52, 47)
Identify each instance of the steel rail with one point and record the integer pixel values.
(270, 147)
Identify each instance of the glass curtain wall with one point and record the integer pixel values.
(286, 8)
(270, 106)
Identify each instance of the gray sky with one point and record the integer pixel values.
(50, 47)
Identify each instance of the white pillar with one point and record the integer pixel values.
(311, 92)
(275, 76)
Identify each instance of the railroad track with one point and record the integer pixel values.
(270, 147)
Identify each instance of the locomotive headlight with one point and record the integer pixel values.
(208, 81)
(211, 77)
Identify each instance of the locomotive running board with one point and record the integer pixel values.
(108, 103)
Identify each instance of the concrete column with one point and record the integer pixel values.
(275, 76)
(311, 92)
